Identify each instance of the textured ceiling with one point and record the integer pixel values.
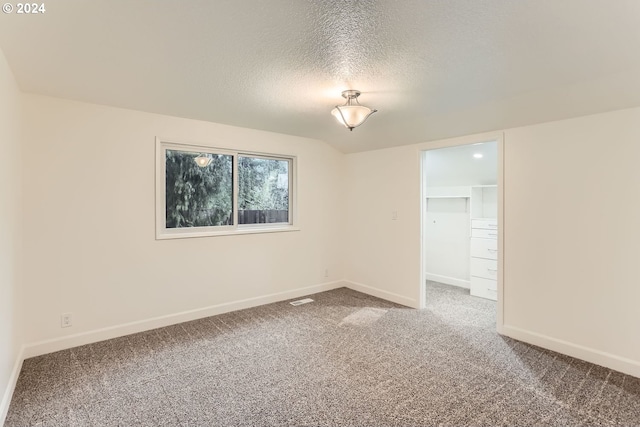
(433, 69)
(456, 166)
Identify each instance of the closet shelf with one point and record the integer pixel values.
(447, 197)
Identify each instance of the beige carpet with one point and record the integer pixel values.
(346, 359)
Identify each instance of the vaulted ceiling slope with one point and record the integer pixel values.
(432, 68)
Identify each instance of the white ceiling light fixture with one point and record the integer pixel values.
(203, 160)
(351, 114)
(477, 155)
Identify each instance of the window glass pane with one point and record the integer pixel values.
(263, 190)
(198, 194)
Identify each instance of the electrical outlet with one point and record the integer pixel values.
(65, 320)
(394, 215)
(326, 272)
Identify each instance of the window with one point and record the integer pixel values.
(204, 191)
(198, 196)
(263, 190)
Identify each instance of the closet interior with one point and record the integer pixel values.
(461, 217)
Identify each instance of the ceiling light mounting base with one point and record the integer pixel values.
(351, 94)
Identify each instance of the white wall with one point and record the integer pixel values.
(571, 234)
(384, 254)
(90, 245)
(446, 240)
(10, 233)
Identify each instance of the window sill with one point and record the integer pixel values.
(249, 229)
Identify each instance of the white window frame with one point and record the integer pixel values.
(162, 232)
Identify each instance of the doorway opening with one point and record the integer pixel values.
(461, 220)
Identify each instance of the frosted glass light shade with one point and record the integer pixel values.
(354, 115)
(203, 160)
(351, 114)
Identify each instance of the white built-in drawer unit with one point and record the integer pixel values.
(484, 248)
(484, 233)
(484, 288)
(484, 268)
(491, 224)
(484, 242)
(484, 258)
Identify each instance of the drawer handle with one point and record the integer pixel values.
(492, 250)
(492, 269)
(493, 234)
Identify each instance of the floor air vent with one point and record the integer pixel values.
(301, 301)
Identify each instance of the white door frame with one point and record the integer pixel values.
(499, 138)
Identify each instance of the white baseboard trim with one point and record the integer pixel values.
(379, 293)
(11, 386)
(447, 280)
(69, 341)
(608, 360)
